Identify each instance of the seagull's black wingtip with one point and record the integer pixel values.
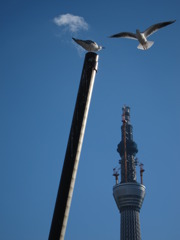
(75, 39)
(173, 21)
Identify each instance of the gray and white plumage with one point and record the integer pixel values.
(142, 36)
(88, 45)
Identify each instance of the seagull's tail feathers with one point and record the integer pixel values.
(145, 46)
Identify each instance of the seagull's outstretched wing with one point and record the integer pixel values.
(156, 27)
(124, 35)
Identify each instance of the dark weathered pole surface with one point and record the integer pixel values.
(68, 175)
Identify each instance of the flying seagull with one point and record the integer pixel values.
(88, 45)
(142, 36)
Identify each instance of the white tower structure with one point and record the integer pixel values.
(128, 193)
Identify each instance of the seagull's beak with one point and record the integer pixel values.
(103, 47)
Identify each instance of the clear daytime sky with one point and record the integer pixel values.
(40, 70)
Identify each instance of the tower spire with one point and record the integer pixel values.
(128, 194)
(127, 148)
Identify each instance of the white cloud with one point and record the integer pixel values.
(71, 22)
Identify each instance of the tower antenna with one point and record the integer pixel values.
(124, 139)
(141, 171)
(116, 173)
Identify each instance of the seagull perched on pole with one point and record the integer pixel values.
(142, 36)
(88, 45)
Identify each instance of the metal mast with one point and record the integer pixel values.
(71, 161)
(128, 194)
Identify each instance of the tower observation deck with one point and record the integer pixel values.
(128, 193)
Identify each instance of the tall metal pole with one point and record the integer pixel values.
(71, 161)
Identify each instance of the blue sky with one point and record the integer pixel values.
(40, 69)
